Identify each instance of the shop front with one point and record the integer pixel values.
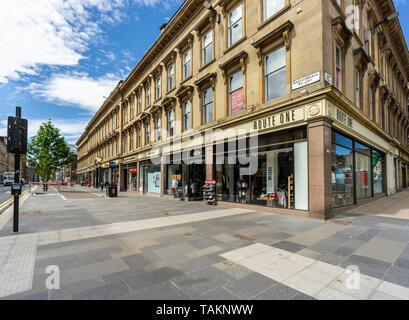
(278, 176)
(186, 173)
(132, 177)
(150, 176)
(358, 170)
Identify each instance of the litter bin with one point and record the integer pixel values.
(179, 193)
(112, 191)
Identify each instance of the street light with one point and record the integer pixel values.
(209, 7)
(388, 18)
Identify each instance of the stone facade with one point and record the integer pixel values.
(335, 74)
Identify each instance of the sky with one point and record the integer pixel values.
(59, 58)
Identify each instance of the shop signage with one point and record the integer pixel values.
(210, 181)
(176, 177)
(275, 120)
(112, 164)
(344, 118)
(303, 82)
(236, 101)
(133, 170)
(130, 159)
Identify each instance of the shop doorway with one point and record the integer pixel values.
(404, 179)
(125, 179)
(145, 180)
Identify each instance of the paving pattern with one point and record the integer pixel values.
(140, 247)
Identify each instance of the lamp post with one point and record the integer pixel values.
(388, 18)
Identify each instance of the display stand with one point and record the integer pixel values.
(243, 192)
(291, 192)
(209, 193)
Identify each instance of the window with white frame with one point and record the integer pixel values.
(275, 74)
(138, 137)
(131, 141)
(157, 92)
(207, 110)
(357, 88)
(338, 67)
(207, 47)
(186, 114)
(125, 114)
(132, 106)
(171, 77)
(271, 7)
(235, 24)
(171, 123)
(236, 92)
(187, 56)
(139, 103)
(125, 140)
(157, 129)
(147, 133)
(147, 96)
(371, 102)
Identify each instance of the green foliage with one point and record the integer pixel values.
(48, 151)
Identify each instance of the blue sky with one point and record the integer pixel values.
(60, 57)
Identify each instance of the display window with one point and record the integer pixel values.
(150, 177)
(357, 171)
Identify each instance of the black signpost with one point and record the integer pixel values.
(17, 144)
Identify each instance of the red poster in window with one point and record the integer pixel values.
(236, 101)
(133, 170)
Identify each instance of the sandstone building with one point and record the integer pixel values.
(323, 90)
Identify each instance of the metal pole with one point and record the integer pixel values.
(16, 175)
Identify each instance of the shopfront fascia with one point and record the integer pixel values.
(150, 172)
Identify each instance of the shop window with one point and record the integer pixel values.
(207, 110)
(235, 24)
(236, 101)
(157, 88)
(157, 129)
(271, 7)
(125, 140)
(275, 74)
(171, 123)
(371, 102)
(187, 115)
(342, 176)
(207, 47)
(187, 56)
(171, 77)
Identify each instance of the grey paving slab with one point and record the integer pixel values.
(249, 286)
(107, 292)
(288, 246)
(398, 276)
(368, 266)
(199, 283)
(277, 292)
(193, 265)
(148, 279)
(343, 251)
(381, 249)
(219, 294)
(161, 291)
(302, 296)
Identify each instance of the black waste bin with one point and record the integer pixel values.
(112, 191)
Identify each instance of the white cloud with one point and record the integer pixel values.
(50, 32)
(71, 129)
(79, 90)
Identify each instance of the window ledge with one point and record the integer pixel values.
(187, 79)
(173, 89)
(236, 44)
(274, 16)
(207, 64)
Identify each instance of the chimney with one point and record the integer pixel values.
(162, 27)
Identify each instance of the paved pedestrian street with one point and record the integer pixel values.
(142, 247)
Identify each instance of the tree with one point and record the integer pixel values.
(48, 151)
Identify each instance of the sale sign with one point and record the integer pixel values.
(236, 101)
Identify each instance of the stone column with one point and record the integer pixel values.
(162, 175)
(209, 162)
(121, 177)
(319, 167)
